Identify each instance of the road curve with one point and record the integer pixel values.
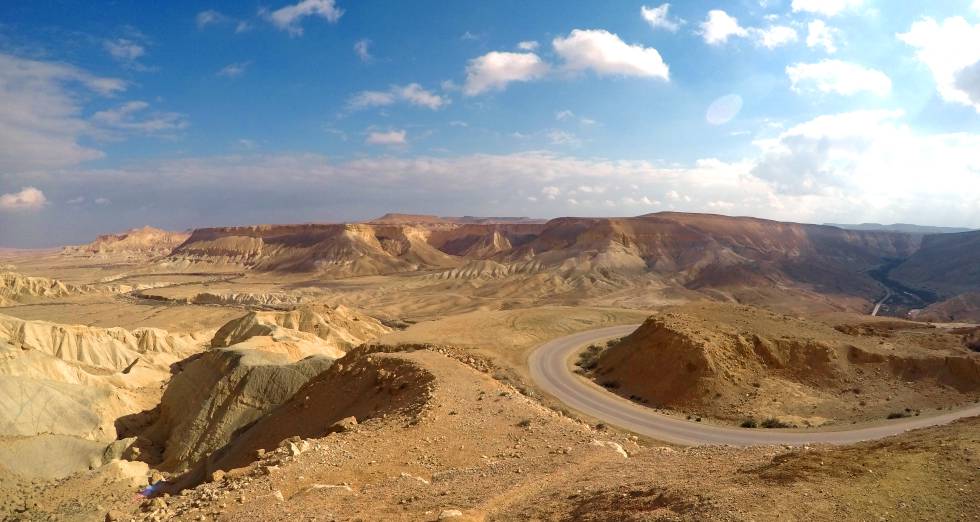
(549, 367)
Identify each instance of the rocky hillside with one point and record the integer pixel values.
(703, 253)
(947, 264)
(331, 330)
(738, 362)
(962, 308)
(17, 288)
(137, 242)
(63, 387)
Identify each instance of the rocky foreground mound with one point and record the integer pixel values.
(324, 329)
(62, 388)
(736, 362)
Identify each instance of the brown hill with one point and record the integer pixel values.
(146, 241)
(736, 362)
(962, 308)
(946, 264)
(724, 257)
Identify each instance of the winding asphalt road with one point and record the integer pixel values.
(550, 370)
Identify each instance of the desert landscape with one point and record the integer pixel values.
(396, 369)
(471, 261)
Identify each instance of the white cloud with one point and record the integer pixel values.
(242, 27)
(606, 54)
(564, 115)
(494, 70)
(127, 117)
(819, 34)
(775, 36)
(720, 26)
(658, 17)
(288, 18)
(835, 76)
(975, 6)
(951, 51)
(826, 7)
(362, 48)
(126, 52)
(233, 70)
(412, 93)
(528, 45)
(29, 198)
(867, 168)
(873, 165)
(103, 201)
(209, 17)
(395, 137)
(40, 113)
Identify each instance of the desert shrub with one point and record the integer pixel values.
(749, 423)
(897, 415)
(526, 423)
(773, 422)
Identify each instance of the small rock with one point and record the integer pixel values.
(217, 476)
(615, 446)
(446, 514)
(278, 495)
(343, 425)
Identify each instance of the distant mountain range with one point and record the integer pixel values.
(902, 227)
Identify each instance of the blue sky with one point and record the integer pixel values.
(115, 114)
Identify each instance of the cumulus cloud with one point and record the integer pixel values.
(528, 45)
(495, 70)
(29, 198)
(606, 54)
(835, 76)
(362, 48)
(394, 137)
(775, 36)
(233, 70)
(134, 117)
(658, 17)
(951, 51)
(872, 164)
(720, 26)
(289, 18)
(826, 7)
(41, 119)
(412, 94)
(819, 34)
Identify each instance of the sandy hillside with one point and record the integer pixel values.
(739, 363)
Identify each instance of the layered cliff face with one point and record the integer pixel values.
(137, 242)
(721, 257)
(738, 362)
(314, 329)
(16, 288)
